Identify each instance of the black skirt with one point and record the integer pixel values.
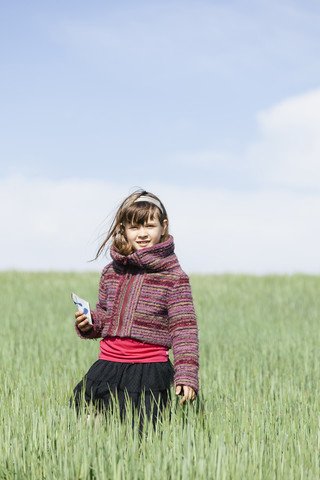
(143, 386)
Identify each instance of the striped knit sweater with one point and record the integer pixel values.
(147, 296)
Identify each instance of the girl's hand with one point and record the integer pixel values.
(187, 393)
(82, 322)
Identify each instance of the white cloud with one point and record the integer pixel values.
(288, 151)
(56, 225)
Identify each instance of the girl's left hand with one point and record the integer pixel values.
(187, 393)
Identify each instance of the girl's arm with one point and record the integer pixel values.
(98, 315)
(184, 334)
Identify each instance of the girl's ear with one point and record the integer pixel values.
(164, 227)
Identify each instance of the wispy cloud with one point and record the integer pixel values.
(205, 159)
(285, 153)
(194, 37)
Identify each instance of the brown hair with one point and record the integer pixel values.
(132, 211)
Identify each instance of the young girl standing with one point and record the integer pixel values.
(145, 307)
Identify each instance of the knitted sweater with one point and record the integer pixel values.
(147, 296)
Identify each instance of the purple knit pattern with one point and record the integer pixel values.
(147, 296)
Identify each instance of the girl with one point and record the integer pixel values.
(145, 307)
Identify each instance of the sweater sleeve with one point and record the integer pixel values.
(184, 334)
(99, 315)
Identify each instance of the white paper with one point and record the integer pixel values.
(82, 305)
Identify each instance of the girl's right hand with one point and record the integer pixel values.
(82, 322)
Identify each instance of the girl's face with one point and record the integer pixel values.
(147, 235)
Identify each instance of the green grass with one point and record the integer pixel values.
(257, 416)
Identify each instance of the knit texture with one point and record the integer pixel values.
(147, 296)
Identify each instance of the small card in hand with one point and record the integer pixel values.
(82, 305)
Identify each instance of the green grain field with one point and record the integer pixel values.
(257, 415)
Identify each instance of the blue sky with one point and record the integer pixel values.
(188, 98)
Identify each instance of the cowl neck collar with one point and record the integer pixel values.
(156, 258)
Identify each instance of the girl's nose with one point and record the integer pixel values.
(142, 231)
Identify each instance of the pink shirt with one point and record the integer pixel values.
(127, 350)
